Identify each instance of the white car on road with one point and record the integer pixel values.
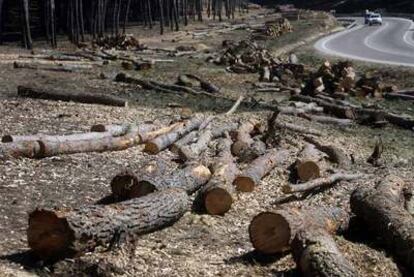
(374, 19)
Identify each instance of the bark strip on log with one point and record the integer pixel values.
(260, 167)
(273, 232)
(382, 210)
(80, 97)
(56, 233)
(322, 182)
(218, 194)
(163, 141)
(316, 254)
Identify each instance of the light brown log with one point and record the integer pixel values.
(322, 182)
(148, 136)
(80, 97)
(309, 164)
(297, 108)
(184, 141)
(120, 130)
(53, 67)
(330, 108)
(243, 136)
(273, 231)
(217, 195)
(163, 141)
(260, 167)
(316, 254)
(55, 233)
(382, 211)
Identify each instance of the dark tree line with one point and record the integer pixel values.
(97, 18)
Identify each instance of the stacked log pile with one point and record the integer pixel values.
(273, 29)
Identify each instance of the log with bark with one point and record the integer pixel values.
(316, 254)
(381, 209)
(217, 195)
(80, 97)
(260, 167)
(398, 96)
(53, 67)
(56, 233)
(129, 185)
(163, 141)
(310, 163)
(273, 231)
(120, 130)
(23, 149)
(335, 154)
(330, 108)
(322, 182)
(297, 128)
(243, 136)
(327, 119)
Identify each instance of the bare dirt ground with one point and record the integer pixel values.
(197, 245)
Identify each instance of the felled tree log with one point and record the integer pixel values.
(205, 85)
(298, 108)
(273, 231)
(382, 210)
(243, 136)
(192, 151)
(190, 179)
(316, 254)
(330, 108)
(184, 141)
(150, 135)
(309, 164)
(322, 182)
(298, 128)
(53, 67)
(56, 233)
(80, 97)
(400, 96)
(335, 154)
(260, 167)
(163, 141)
(23, 149)
(217, 195)
(327, 119)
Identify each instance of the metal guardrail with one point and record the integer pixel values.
(385, 14)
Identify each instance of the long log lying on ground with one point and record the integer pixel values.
(382, 210)
(327, 119)
(190, 179)
(80, 97)
(184, 141)
(296, 108)
(322, 182)
(273, 232)
(309, 164)
(316, 254)
(120, 130)
(399, 96)
(217, 195)
(53, 67)
(56, 233)
(298, 128)
(330, 108)
(260, 167)
(163, 141)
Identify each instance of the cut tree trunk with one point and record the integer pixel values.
(382, 210)
(260, 167)
(184, 141)
(217, 195)
(400, 96)
(335, 154)
(163, 141)
(129, 186)
(298, 128)
(322, 182)
(80, 97)
(327, 119)
(56, 233)
(120, 130)
(67, 67)
(309, 164)
(273, 232)
(243, 137)
(330, 108)
(316, 254)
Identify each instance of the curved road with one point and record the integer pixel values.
(392, 43)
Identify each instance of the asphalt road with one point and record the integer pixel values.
(392, 43)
